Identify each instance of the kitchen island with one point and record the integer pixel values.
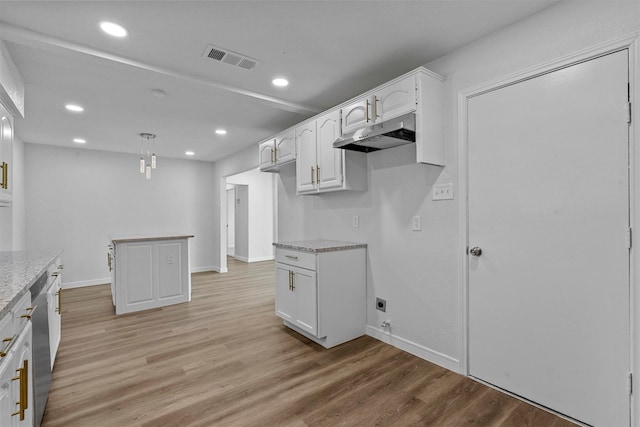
(149, 271)
(321, 289)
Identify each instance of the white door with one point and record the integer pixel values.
(549, 208)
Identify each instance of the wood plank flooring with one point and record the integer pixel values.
(224, 359)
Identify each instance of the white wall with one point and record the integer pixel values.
(418, 272)
(77, 198)
(231, 220)
(261, 212)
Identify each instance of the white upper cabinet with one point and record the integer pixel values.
(6, 157)
(328, 130)
(306, 172)
(277, 151)
(385, 103)
(320, 167)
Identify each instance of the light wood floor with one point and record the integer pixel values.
(225, 359)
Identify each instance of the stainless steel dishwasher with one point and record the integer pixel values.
(41, 352)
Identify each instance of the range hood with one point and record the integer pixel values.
(391, 133)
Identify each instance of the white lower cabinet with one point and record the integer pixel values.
(322, 295)
(16, 391)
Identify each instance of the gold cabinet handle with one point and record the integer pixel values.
(54, 274)
(375, 107)
(5, 175)
(23, 377)
(291, 257)
(366, 111)
(318, 174)
(293, 281)
(59, 307)
(30, 310)
(273, 155)
(109, 261)
(290, 280)
(8, 343)
(312, 181)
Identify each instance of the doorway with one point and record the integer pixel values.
(548, 220)
(251, 216)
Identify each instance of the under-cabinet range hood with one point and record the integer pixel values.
(391, 133)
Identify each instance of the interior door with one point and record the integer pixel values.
(549, 211)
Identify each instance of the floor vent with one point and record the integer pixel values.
(230, 57)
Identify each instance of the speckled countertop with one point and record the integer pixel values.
(148, 237)
(18, 271)
(320, 245)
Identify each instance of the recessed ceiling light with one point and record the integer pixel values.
(79, 140)
(221, 131)
(189, 153)
(75, 108)
(280, 82)
(112, 29)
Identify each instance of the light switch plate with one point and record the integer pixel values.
(443, 192)
(416, 223)
(355, 222)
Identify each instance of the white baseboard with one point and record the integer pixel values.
(256, 259)
(205, 269)
(415, 349)
(84, 283)
(262, 258)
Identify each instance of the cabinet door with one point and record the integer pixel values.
(330, 159)
(285, 297)
(305, 289)
(267, 155)
(22, 358)
(7, 404)
(356, 115)
(395, 100)
(285, 147)
(307, 162)
(6, 156)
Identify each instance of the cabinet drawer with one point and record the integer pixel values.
(22, 313)
(296, 258)
(6, 335)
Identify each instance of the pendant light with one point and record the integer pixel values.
(148, 159)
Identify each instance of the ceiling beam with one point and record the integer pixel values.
(38, 40)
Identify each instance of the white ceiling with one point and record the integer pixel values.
(329, 50)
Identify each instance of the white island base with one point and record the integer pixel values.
(149, 271)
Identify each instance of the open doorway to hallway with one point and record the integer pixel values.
(251, 217)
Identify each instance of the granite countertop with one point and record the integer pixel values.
(129, 238)
(18, 271)
(319, 245)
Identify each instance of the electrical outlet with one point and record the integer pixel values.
(416, 223)
(381, 305)
(355, 222)
(443, 192)
(170, 259)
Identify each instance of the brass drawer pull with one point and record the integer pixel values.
(291, 257)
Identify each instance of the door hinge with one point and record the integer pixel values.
(630, 383)
(628, 237)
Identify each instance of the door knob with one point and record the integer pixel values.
(475, 251)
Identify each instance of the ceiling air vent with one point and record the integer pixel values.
(229, 57)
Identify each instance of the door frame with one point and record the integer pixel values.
(632, 43)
